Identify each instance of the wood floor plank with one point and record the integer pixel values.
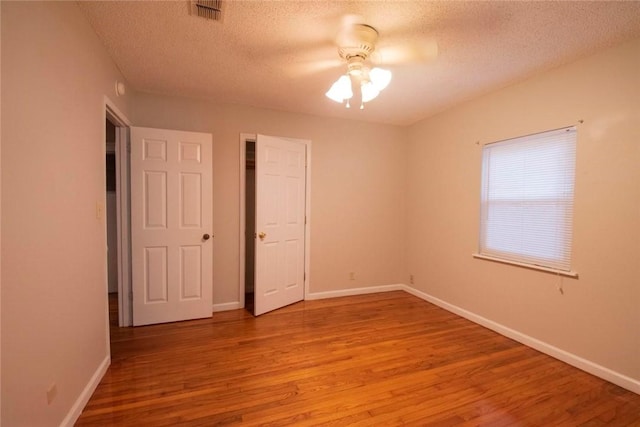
(378, 359)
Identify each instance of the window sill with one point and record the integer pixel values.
(573, 274)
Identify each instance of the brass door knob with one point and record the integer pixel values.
(206, 237)
(262, 235)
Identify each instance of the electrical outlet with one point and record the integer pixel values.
(411, 279)
(51, 393)
(352, 276)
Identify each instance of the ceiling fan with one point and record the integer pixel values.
(356, 43)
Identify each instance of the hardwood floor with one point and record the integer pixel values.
(379, 359)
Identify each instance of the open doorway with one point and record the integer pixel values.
(111, 220)
(117, 215)
(274, 230)
(250, 224)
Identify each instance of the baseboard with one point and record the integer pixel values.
(322, 295)
(81, 401)
(570, 358)
(354, 291)
(227, 306)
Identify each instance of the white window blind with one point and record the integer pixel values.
(527, 199)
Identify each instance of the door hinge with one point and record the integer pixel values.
(129, 147)
(305, 220)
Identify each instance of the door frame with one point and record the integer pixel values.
(244, 137)
(122, 124)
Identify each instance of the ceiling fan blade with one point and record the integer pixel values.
(406, 53)
(307, 68)
(351, 19)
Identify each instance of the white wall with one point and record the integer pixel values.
(357, 189)
(55, 74)
(598, 317)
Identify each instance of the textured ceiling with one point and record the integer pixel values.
(281, 54)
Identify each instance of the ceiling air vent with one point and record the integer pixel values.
(209, 9)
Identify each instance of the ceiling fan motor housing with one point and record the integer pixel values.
(357, 41)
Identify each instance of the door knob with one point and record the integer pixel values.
(262, 235)
(206, 237)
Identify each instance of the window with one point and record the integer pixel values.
(527, 199)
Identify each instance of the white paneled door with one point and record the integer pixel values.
(280, 222)
(171, 220)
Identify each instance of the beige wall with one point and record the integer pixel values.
(55, 74)
(357, 189)
(598, 317)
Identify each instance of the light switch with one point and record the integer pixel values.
(99, 211)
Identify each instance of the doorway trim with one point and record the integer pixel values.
(244, 137)
(122, 124)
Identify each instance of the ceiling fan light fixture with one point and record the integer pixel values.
(356, 42)
(355, 66)
(369, 91)
(380, 78)
(340, 90)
